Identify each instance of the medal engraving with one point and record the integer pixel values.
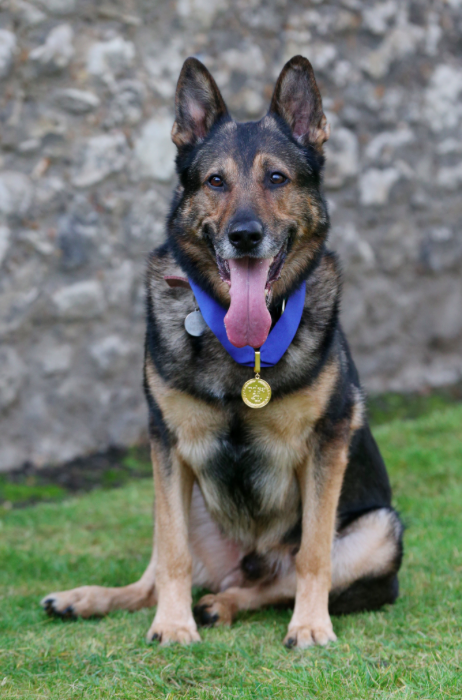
(194, 323)
(256, 393)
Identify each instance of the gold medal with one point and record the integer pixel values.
(256, 393)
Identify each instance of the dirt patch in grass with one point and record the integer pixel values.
(383, 408)
(109, 469)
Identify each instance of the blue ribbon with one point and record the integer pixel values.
(277, 341)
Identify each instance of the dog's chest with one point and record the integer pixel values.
(249, 484)
(246, 462)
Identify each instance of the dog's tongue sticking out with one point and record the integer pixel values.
(248, 320)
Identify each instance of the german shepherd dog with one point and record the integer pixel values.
(290, 502)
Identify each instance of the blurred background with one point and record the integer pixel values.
(87, 170)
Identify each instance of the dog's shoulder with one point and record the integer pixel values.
(164, 303)
(160, 263)
(324, 288)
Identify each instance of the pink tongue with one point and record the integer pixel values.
(248, 320)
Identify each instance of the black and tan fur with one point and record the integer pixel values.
(289, 502)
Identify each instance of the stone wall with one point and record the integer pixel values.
(87, 169)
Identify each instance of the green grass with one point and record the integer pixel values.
(411, 650)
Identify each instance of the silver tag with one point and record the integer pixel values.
(194, 323)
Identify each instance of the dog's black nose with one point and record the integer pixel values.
(246, 235)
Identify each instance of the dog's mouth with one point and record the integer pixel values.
(248, 320)
(274, 272)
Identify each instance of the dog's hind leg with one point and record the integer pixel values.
(222, 607)
(89, 601)
(366, 556)
(216, 565)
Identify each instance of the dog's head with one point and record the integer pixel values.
(248, 219)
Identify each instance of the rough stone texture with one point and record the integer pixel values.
(77, 101)
(86, 107)
(7, 51)
(154, 151)
(57, 51)
(98, 158)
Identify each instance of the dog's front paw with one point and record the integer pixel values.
(304, 636)
(77, 602)
(213, 610)
(173, 634)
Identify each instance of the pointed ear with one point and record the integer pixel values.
(297, 100)
(198, 104)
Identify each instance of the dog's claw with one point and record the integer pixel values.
(50, 609)
(213, 609)
(203, 617)
(174, 635)
(304, 636)
(69, 613)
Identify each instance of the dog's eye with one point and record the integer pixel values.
(216, 181)
(277, 179)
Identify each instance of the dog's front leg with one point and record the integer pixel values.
(320, 483)
(173, 482)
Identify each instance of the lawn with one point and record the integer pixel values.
(411, 650)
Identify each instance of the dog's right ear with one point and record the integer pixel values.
(198, 104)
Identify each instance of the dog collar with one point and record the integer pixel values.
(279, 338)
(256, 393)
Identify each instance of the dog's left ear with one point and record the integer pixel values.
(297, 100)
(198, 104)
